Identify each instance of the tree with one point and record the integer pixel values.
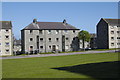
(84, 36)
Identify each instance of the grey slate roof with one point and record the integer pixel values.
(92, 35)
(50, 25)
(114, 22)
(17, 42)
(5, 25)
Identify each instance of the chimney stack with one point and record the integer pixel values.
(64, 21)
(34, 20)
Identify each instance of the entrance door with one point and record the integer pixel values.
(53, 48)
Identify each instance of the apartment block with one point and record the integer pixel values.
(93, 41)
(6, 43)
(49, 37)
(108, 33)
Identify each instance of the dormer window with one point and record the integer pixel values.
(49, 31)
(31, 31)
(57, 31)
(40, 31)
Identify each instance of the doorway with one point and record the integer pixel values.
(53, 48)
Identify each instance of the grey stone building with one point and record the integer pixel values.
(108, 33)
(6, 38)
(93, 41)
(16, 45)
(49, 37)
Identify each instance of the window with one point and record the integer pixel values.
(118, 37)
(57, 31)
(40, 31)
(66, 47)
(7, 50)
(57, 39)
(73, 31)
(41, 39)
(49, 31)
(111, 27)
(7, 43)
(31, 39)
(7, 37)
(112, 38)
(0, 43)
(49, 39)
(49, 47)
(31, 46)
(6, 30)
(41, 47)
(67, 38)
(73, 38)
(112, 32)
(118, 32)
(31, 31)
(112, 44)
(118, 43)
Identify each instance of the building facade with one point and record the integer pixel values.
(6, 43)
(93, 41)
(108, 33)
(86, 44)
(17, 45)
(49, 37)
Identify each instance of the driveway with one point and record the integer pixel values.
(57, 54)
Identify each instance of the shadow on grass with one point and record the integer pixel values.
(96, 70)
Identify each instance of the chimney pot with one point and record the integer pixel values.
(34, 20)
(64, 21)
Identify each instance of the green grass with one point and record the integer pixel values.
(42, 67)
(105, 49)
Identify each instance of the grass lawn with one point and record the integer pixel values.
(71, 66)
(105, 49)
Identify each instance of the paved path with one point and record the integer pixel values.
(57, 54)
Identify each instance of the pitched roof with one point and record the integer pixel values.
(17, 42)
(92, 35)
(114, 22)
(5, 25)
(50, 25)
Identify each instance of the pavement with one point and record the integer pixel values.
(57, 54)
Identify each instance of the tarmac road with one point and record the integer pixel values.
(57, 54)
